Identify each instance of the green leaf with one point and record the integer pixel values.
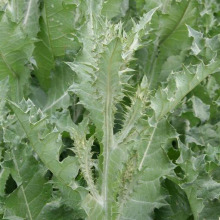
(3, 95)
(15, 52)
(31, 18)
(171, 32)
(58, 97)
(48, 145)
(4, 174)
(143, 190)
(135, 111)
(112, 8)
(83, 149)
(15, 10)
(204, 135)
(200, 109)
(57, 210)
(25, 14)
(57, 35)
(177, 203)
(211, 210)
(109, 90)
(33, 191)
(179, 85)
(198, 182)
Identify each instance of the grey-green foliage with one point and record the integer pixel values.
(109, 109)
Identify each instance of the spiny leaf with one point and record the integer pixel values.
(179, 85)
(46, 144)
(82, 150)
(170, 31)
(144, 192)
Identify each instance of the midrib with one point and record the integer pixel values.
(108, 134)
(13, 73)
(37, 150)
(147, 148)
(28, 12)
(107, 150)
(56, 101)
(48, 31)
(176, 26)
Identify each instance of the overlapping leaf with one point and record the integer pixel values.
(56, 36)
(15, 53)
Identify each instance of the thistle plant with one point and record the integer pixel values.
(109, 110)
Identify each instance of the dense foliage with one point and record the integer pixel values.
(109, 109)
